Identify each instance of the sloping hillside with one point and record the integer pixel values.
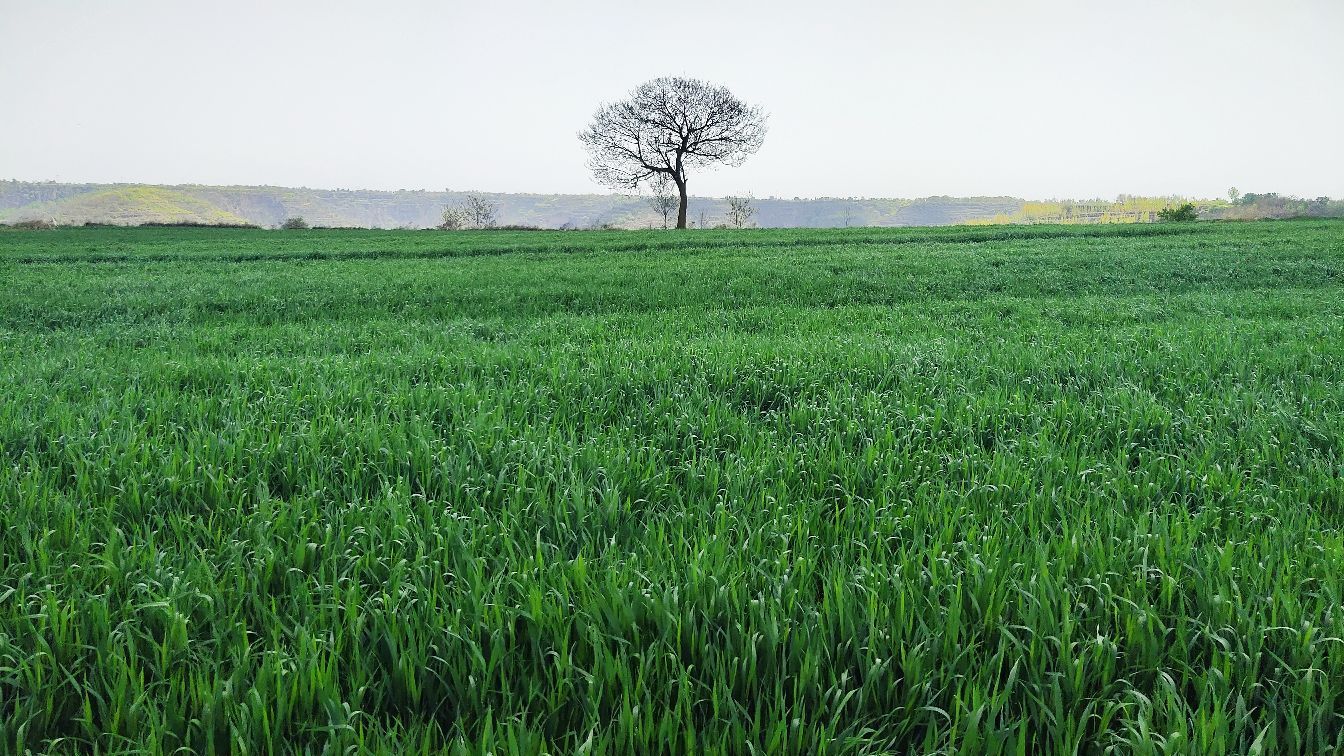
(129, 205)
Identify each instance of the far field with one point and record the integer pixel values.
(1036, 489)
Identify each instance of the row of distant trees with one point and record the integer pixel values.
(666, 204)
(477, 212)
(474, 212)
(1251, 205)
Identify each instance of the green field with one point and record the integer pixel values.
(968, 490)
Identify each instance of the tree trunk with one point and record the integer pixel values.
(681, 207)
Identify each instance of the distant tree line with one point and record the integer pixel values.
(1251, 206)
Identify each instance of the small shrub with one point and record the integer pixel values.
(34, 225)
(294, 224)
(1181, 214)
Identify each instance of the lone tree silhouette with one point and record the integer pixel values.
(666, 127)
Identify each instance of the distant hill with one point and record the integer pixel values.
(126, 205)
(133, 204)
(269, 206)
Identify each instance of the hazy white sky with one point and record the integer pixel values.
(1034, 98)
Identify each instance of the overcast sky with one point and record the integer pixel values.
(1068, 98)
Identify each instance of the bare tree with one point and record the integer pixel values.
(740, 210)
(480, 212)
(663, 201)
(666, 127)
(454, 219)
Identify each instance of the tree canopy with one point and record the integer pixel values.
(665, 128)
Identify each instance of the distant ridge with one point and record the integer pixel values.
(132, 204)
(268, 206)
